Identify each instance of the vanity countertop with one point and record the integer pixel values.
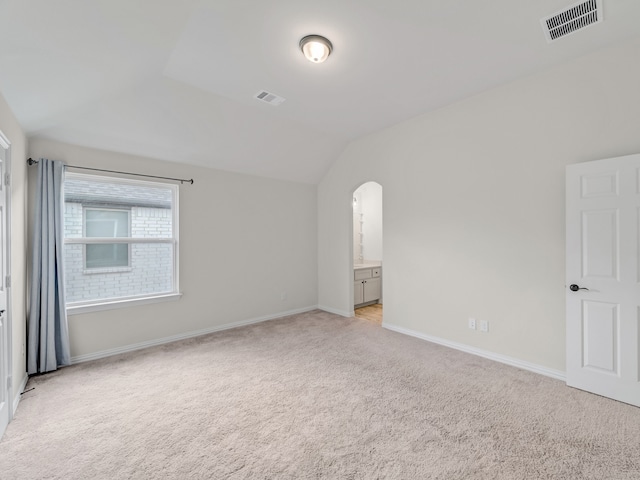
(360, 266)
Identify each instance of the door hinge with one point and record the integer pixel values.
(7, 179)
(9, 382)
(7, 281)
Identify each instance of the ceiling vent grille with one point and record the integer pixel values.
(573, 18)
(270, 98)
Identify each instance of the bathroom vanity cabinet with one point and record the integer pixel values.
(367, 284)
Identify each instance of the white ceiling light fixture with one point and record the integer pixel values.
(316, 48)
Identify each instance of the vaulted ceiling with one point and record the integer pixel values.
(176, 79)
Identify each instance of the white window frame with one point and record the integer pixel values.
(74, 308)
(90, 271)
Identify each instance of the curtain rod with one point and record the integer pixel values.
(31, 161)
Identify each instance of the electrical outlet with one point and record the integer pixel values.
(484, 326)
(283, 296)
(472, 323)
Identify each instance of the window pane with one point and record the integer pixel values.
(104, 207)
(150, 273)
(149, 205)
(107, 255)
(106, 223)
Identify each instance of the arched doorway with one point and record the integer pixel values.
(367, 252)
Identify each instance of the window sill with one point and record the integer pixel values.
(97, 271)
(100, 305)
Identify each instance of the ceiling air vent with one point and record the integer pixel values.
(573, 18)
(270, 98)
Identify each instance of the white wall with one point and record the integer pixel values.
(243, 241)
(358, 247)
(474, 204)
(371, 204)
(12, 130)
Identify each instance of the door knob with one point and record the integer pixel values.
(574, 288)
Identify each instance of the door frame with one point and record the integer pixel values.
(5, 144)
(350, 236)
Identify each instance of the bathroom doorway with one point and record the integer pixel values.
(367, 252)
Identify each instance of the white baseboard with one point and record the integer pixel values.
(160, 341)
(18, 396)
(514, 362)
(342, 313)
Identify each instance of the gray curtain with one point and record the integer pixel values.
(48, 339)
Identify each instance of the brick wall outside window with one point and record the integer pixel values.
(151, 265)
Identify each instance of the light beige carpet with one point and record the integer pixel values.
(313, 396)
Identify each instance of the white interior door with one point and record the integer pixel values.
(603, 277)
(5, 372)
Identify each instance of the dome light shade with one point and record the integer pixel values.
(316, 48)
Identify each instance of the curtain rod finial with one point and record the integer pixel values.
(31, 161)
